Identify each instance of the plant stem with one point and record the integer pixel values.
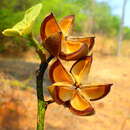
(40, 97)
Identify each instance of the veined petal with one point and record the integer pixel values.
(95, 92)
(58, 73)
(80, 106)
(53, 43)
(73, 50)
(61, 92)
(81, 68)
(87, 40)
(49, 26)
(66, 24)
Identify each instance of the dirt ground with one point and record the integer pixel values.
(18, 97)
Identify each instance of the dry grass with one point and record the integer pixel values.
(18, 99)
(108, 46)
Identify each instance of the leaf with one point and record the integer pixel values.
(24, 26)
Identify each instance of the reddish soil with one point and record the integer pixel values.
(18, 98)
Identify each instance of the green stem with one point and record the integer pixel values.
(36, 44)
(40, 97)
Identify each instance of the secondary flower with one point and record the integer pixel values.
(54, 36)
(71, 88)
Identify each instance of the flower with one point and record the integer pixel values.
(56, 41)
(71, 88)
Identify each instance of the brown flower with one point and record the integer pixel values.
(71, 89)
(56, 41)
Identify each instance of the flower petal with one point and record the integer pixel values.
(80, 106)
(53, 43)
(49, 26)
(66, 24)
(81, 68)
(58, 73)
(73, 50)
(95, 92)
(61, 92)
(87, 40)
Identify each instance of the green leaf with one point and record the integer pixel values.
(25, 26)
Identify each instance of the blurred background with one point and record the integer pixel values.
(109, 22)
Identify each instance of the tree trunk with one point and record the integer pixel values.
(121, 29)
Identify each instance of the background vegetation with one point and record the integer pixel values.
(18, 65)
(91, 17)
